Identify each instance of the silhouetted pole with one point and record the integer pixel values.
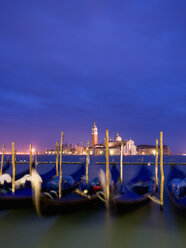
(2, 160)
(156, 164)
(30, 162)
(161, 169)
(87, 162)
(60, 166)
(57, 159)
(107, 168)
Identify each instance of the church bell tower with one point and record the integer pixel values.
(94, 135)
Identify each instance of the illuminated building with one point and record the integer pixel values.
(129, 148)
(94, 135)
(114, 145)
(50, 152)
(151, 149)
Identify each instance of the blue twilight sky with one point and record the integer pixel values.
(64, 64)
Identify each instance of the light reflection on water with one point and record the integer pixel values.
(144, 227)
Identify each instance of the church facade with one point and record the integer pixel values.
(129, 147)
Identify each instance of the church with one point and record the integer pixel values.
(129, 147)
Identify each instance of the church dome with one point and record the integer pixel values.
(118, 138)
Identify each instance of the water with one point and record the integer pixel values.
(144, 227)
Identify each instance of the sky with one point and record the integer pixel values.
(64, 64)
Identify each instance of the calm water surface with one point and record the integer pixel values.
(144, 227)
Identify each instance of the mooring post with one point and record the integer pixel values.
(60, 166)
(161, 169)
(13, 167)
(156, 164)
(36, 161)
(107, 167)
(87, 162)
(30, 162)
(2, 160)
(57, 159)
(121, 164)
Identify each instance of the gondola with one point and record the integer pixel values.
(7, 178)
(6, 166)
(135, 193)
(21, 178)
(23, 197)
(69, 183)
(176, 187)
(84, 197)
(4, 174)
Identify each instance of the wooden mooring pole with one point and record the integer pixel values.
(2, 160)
(87, 162)
(121, 164)
(30, 162)
(13, 167)
(36, 161)
(162, 172)
(57, 159)
(60, 166)
(156, 164)
(107, 169)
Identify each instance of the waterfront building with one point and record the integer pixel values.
(80, 149)
(151, 150)
(115, 150)
(98, 149)
(50, 152)
(68, 149)
(129, 147)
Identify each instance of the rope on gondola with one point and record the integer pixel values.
(54, 192)
(99, 193)
(79, 192)
(154, 199)
(48, 195)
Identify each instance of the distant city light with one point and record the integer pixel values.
(33, 150)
